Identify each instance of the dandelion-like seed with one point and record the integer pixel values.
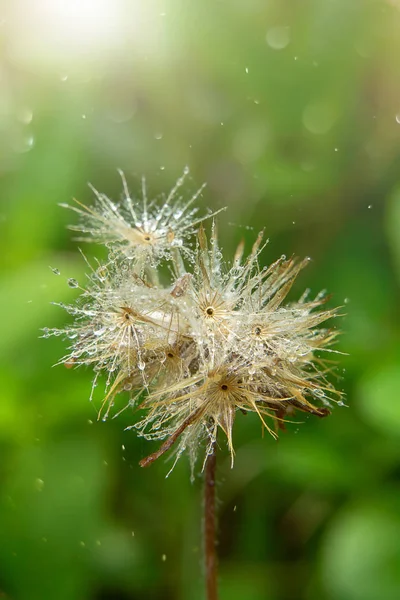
(146, 232)
(194, 352)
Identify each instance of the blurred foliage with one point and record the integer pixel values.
(291, 112)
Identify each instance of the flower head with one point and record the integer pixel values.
(213, 343)
(144, 231)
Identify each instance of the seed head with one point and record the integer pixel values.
(211, 344)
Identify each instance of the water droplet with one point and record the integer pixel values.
(163, 557)
(278, 37)
(55, 271)
(83, 116)
(73, 283)
(162, 168)
(64, 77)
(25, 115)
(346, 300)
(39, 484)
(141, 365)
(24, 144)
(158, 136)
(82, 544)
(318, 118)
(123, 447)
(186, 170)
(247, 69)
(370, 206)
(398, 118)
(90, 422)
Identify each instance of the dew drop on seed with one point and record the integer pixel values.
(55, 271)
(73, 283)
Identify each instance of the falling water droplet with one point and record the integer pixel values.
(278, 37)
(39, 484)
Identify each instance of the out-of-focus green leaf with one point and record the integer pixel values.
(377, 401)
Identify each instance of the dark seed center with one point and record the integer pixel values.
(210, 311)
(224, 387)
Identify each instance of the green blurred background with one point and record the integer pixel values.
(290, 110)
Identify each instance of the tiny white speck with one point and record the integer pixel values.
(247, 69)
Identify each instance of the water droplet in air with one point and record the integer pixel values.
(346, 300)
(25, 115)
(73, 283)
(83, 116)
(369, 205)
(24, 144)
(63, 77)
(398, 118)
(163, 557)
(247, 69)
(55, 271)
(278, 37)
(39, 484)
(158, 136)
(318, 118)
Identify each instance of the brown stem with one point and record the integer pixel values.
(145, 462)
(211, 565)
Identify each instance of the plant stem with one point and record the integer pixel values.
(211, 565)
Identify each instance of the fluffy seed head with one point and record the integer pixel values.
(215, 342)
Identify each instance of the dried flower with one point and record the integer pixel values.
(144, 231)
(214, 342)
